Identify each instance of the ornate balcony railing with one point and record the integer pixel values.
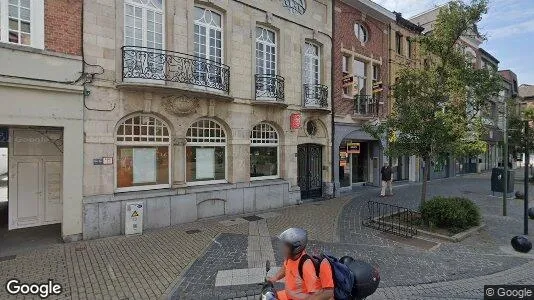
(161, 65)
(315, 96)
(366, 105)
(270, 87)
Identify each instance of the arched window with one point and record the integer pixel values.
(264, 152)
(143, 23)
(205, 153)
(361, 32)
(143, 153)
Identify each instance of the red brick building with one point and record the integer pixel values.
(361, 46)
(41, 116)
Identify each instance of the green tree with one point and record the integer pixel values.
(437, 108)
(516, 126)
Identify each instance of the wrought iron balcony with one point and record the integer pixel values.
(142, 63)
(366, 105)
(315, 96)
(270, 88)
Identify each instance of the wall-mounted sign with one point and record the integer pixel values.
(295, 120)
(103, 161)
(347, 80)
(353, 148)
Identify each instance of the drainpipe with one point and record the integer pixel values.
(332, 84)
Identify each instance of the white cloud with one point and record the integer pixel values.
(511, 30)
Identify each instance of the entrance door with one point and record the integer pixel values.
(310, 173)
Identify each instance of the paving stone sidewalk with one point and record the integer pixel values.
(189, 256)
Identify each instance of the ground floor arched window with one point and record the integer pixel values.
(206, 153)
(142, 153)
(264, 152)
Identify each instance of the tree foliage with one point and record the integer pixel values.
(436, 108)
(516, 131)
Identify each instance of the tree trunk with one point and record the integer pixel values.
(426, 173)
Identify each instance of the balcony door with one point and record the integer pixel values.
(265, 63)
(312, 75)
(208, 47)
(144, 39)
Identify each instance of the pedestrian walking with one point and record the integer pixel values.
(386, 180)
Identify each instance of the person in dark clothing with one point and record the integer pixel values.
(386, 180)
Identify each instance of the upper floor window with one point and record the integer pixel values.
(143, 143)
(376, 73)
(22, 22)
(143, 23)
(265, 51)
(398, 43)
(208, 34)
(361, 32)
(410, 48)
(311, 64)
(345, 68)
(360, 77)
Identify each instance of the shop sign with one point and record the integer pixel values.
(295, 120)
(353, 148)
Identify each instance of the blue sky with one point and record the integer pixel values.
(508, 26)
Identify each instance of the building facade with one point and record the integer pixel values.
(204, 108)
(360, 90)
(404, 52)
(41, 120)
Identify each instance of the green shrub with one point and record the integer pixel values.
(455, 214)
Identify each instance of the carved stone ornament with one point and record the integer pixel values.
(180, 105)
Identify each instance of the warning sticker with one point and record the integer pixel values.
(135, 214)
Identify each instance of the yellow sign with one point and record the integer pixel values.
(353, 148)
(135, 214)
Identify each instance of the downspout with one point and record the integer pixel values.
(332, 84)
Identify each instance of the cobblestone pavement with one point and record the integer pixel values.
(185, 259)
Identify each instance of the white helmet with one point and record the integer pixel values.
(296, 238)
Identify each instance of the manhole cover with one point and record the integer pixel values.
(192, 231)
(252, 218)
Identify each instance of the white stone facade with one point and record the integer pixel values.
(112, 99)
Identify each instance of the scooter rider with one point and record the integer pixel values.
(308, 286)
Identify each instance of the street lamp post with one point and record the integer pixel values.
(527, 163)
(505, 159)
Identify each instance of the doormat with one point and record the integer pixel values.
(252, 218)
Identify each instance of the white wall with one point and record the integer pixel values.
(3, 160)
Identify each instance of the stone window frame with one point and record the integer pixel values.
(361, 29)
(266, 129)
(36, 22)
(144, 140)
(196, 141)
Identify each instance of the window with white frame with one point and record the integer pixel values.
(361, 32)
(22, 22)
(360, 77)
(264, 152)
(265, 51)
(312, 63)
(143, 153)
(143, 23)
(205, 152)
(345, 68)
(208, 41)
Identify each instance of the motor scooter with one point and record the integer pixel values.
(367, 279)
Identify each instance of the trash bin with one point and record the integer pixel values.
(497, 180)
